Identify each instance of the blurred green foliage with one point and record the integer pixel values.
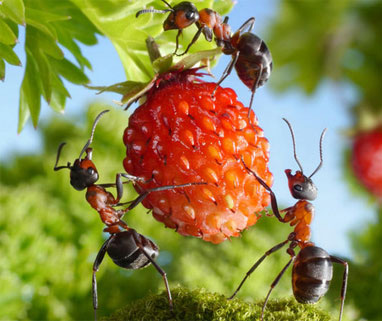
(50, 236)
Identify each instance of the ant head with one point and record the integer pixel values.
(83, 173)
(182, 15)
(300, 186)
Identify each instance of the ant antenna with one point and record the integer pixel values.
(155, 10)
(294, 144)
(92, 133)
(58, 157)
(321, 159)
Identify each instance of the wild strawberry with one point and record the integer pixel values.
(180, 135)
(367, 160)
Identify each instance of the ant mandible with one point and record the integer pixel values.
(184, 14)
(127, 248)
(312, 267)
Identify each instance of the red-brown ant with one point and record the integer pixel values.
(184, 14)
(127, 248)
(312, 267)
(250, 55)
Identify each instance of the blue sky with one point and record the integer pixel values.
(337, 210)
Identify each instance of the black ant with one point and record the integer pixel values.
(127, 248)
(312, 267)
(250, 55)
(184, 14)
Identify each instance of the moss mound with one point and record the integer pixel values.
(200, 305)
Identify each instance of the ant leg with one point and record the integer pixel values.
(274, 283)
(177, 41)
(138, 242)
(167, 4)
(141, 197)
(97, 263)
(344, 281)
(194, 39)
(249, 23)
(253, 90)
(227, 71)
(254, 267)
(274, 205)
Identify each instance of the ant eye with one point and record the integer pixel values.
(190, 15)
(298, 188)
(91, 171)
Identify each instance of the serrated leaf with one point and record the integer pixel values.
(9, 56)
(14, 10)
(67, 41)
(58, 86)
(69, 71)
(2, 69)
(30, 91)
(45, 73)
(43, 42)
(6, 34)
(40, 25)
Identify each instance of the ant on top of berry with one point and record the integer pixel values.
(312, 267)
(250, 55)
(185, 14)
(127, 248)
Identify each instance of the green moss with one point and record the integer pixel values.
(204, 306)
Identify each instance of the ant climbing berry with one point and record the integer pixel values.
(127, 248)
(250, 55)
(313, 266)
(185, 14)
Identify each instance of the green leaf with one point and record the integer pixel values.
(6, 34)
(46, 44)
(116, 19)
(69, 71)
(2, 69)
(40, 24)
(14, 9)
(45, 16)
(30, 92)
(45, 73)
(201, 56)
(9, 56)
(162, 64)
(57, 101)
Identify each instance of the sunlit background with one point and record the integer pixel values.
(338, 211)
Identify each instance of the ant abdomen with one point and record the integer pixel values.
(253, 52)
(311, 274)
(125, 252)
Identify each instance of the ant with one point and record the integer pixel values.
(127, 248)
(251, 58)
(250, 55)
(184, 14)
(312, 267)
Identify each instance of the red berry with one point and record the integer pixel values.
(367, 160)
(180, 135)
